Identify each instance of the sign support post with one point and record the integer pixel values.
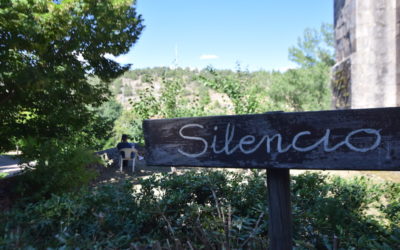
(279, 207)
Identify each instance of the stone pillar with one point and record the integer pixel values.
(366, 74)
(345, 46)
(398, 51)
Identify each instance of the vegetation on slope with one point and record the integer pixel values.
(208, 209)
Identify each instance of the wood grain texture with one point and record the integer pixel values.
(364, 139)
(279, 206)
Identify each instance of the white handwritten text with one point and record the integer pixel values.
(249, 144)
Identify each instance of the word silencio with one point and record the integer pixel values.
(364, 139)
(253, 144)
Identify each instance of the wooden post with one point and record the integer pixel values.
(280, 214)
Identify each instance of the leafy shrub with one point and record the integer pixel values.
(392, 208)
(325, 207)
(192, 206)
(57, 167)
(205, 209)
(209, 209)
(102, 218)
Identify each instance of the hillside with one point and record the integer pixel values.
(128, 87)
(166, 93)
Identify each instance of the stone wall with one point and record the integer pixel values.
(398, 50)
(341, 85)
(345, 24)
(367, 44)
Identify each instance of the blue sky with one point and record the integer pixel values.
(257, 34)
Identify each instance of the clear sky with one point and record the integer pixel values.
(255, 33)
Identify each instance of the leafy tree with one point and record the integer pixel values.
(48, 51)
(99, 129)
(234, 85)
(169, 98)
(307, 87)
(316, 46)
(110, 110)
(59, 168)
(127, 123)
(300, 89)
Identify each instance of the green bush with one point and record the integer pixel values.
(325, 207)
(391, 209)
(194, 206)
(210, 209)
(102, 218)
(53, 167)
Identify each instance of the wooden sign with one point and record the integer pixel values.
(363, 139)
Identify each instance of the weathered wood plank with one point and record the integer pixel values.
(280, 211)
(364, 139)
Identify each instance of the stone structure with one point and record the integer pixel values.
(367, 73)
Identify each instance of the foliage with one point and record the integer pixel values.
(392, 209)
(117, 216)
(316, 47)
(99, 132)
(128, 124)
(169, 95)
(168, 103)
(235, 86)
(106, 217)
(301, 89)
(327, 207)
(307, 87)
(53, 167)
(210, 209)
(205, 209)
(55, 69)
(110, 110)
(49, 48)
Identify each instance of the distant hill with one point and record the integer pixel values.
(127, 87)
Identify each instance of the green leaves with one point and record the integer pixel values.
(328, 206)
(208, 208)
(52, 167)
(306, 88)
(236, 86)
(301, 89)
(315, 47)
(43, 43)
